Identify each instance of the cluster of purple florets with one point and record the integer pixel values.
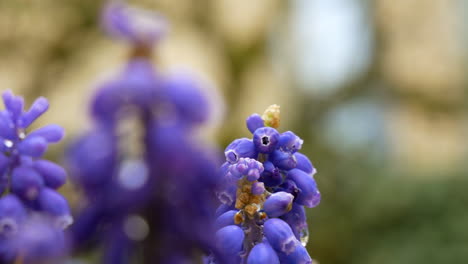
(267, 184)
(147, 182)
(32, 213)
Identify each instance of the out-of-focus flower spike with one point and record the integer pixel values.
(136, 26)
(278, 204)
(254, 122)
(38, 108)
(55, 204)
(309, 195)
(53, 174)
(33, 146)
(262, 253)
(183, 90)
(229, 240)
(52, 133)
(26, 183)
(304, 164)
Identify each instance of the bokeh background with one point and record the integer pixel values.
(377, 90)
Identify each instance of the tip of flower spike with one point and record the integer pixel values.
(137, 26)
(271, 116)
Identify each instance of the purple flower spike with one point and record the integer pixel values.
(263, 253)
(280, 236)
(309, 195)
(266, 139)
(278, 204)
(137, 26)
(254, 122)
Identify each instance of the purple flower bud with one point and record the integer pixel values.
(298, 256)
(7, 126)
(258, 188)
(53, 174)
(14, 104)
(225, 219)
(51, 133)
(40, 241)
(12, 214)
(283, 160)
(55, 204)
(229, 240)
(133, 25)
(38, 108)
(278, 204)
(262, 253)
(296, 218)
(289, 142)
(33, 146)
(254, 122)
(271, 176)
(253, 175)
(289, 186)
(240, 148)
(309, 195)
(280, 235)
(184, 92)
(266, 139)
(304, 164)
(26, 183)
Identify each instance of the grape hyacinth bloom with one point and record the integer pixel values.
(32, 213)
(267, 184)
(146, 180)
